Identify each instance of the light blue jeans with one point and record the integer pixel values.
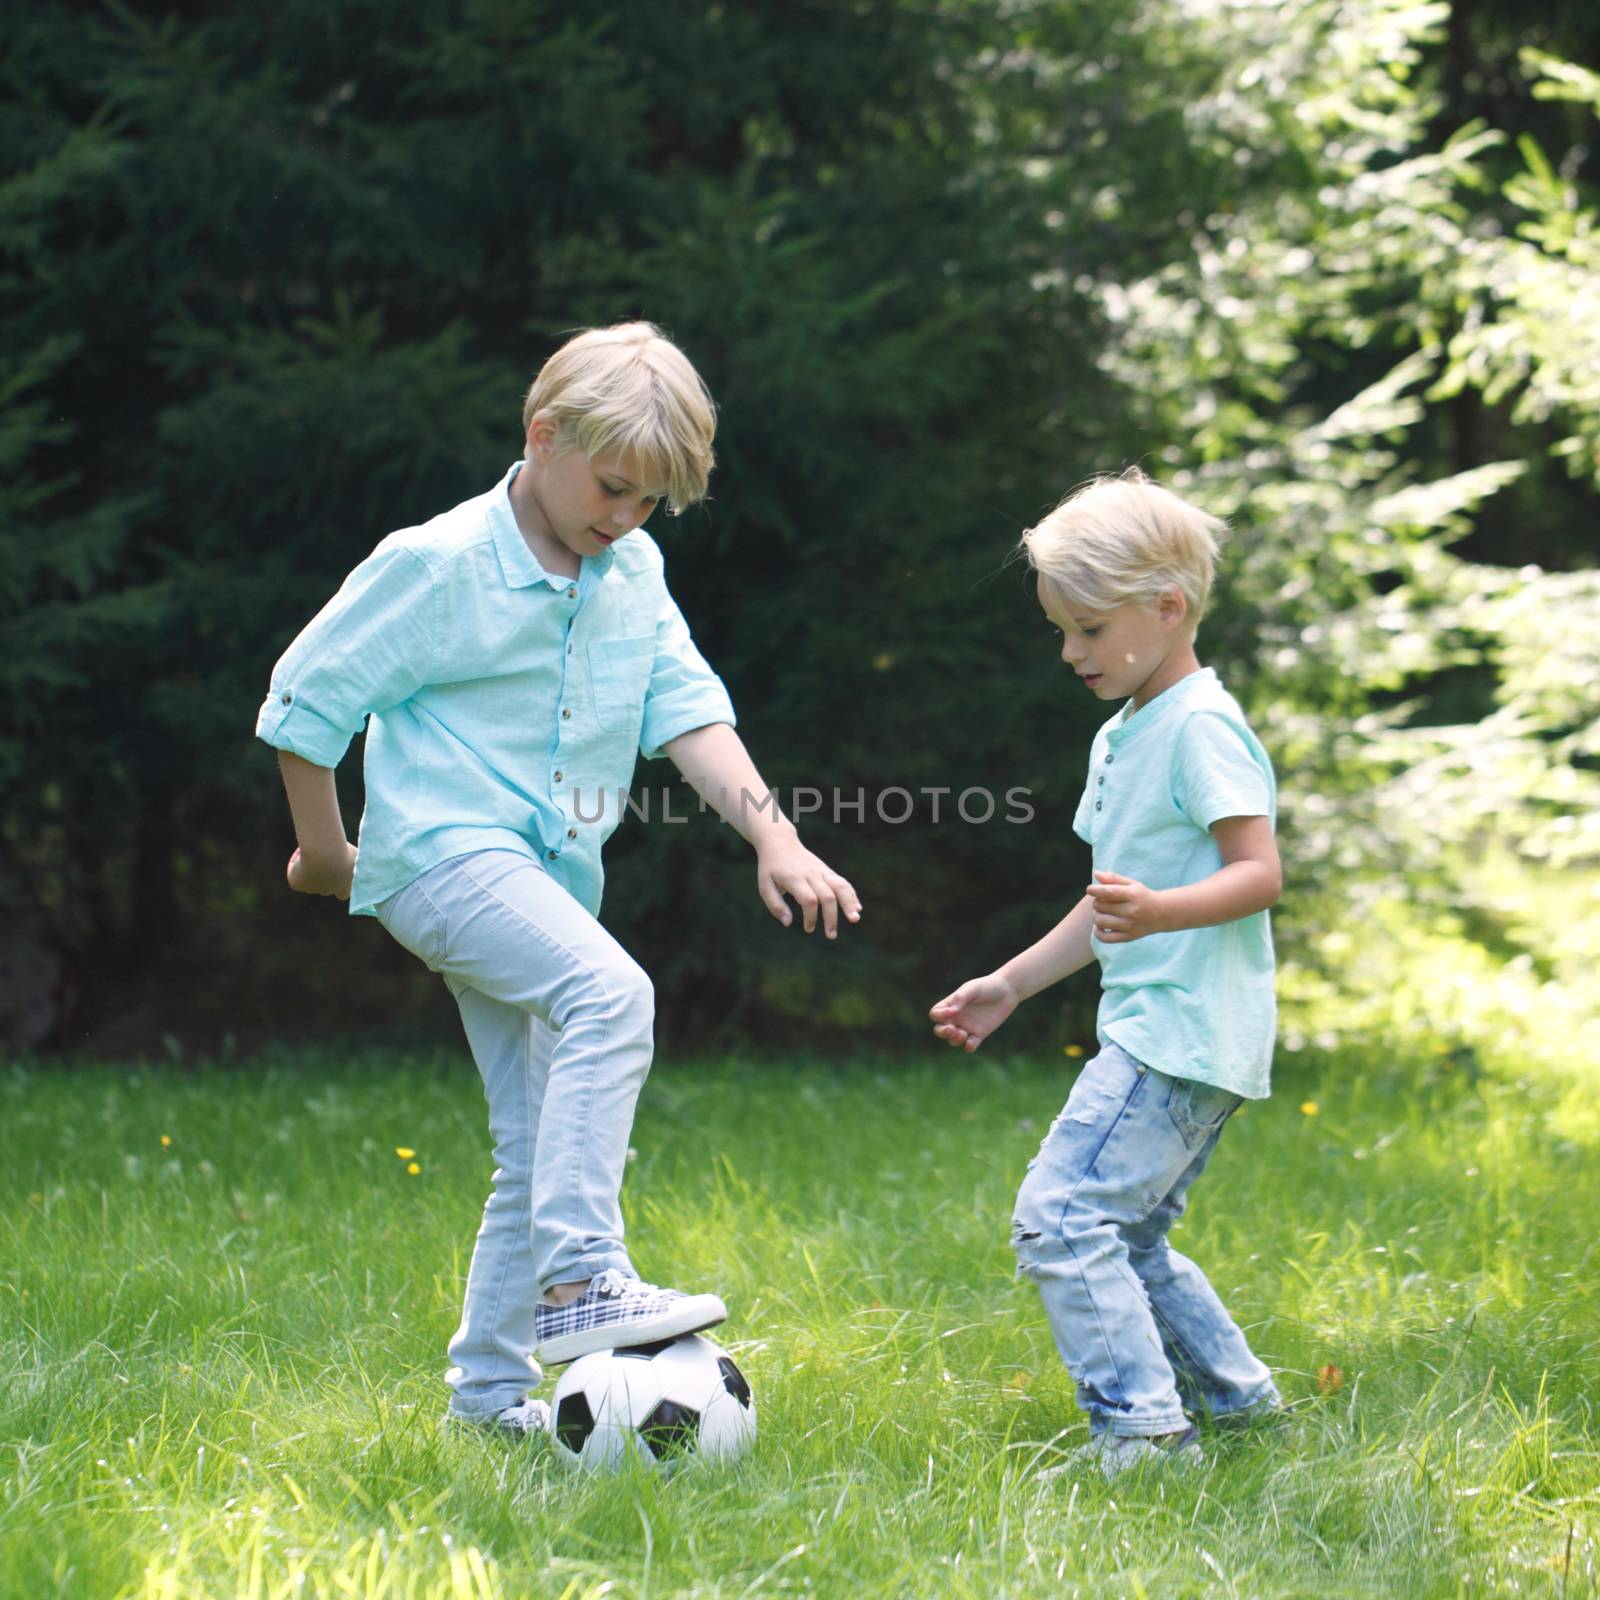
(1141, 1330)
(559, 1019)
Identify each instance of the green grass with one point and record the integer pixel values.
(221, 1357)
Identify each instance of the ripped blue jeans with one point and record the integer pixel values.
(1141, 1330)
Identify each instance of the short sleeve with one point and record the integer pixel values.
(683, 693)
(368, 649)
(1220, 770)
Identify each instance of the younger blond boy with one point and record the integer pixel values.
(1179, 811)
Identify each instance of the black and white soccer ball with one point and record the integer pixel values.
(667, 1403)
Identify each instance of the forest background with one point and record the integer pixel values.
(274, 279)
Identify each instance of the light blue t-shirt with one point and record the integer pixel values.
(1198, 1003)
(508, 704)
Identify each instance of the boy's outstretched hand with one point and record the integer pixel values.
(786, 867)
(967, 1017)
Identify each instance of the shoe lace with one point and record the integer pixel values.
(611, 1283)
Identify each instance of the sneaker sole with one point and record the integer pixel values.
(693, 1315)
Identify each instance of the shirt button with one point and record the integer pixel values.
(572, 594)
(1097, 805)
(550, 854)
(569, 649)
(565, 714)
(572, 833)
(288, 699)
(558, 777)
(1108, 758)
(1101, 779)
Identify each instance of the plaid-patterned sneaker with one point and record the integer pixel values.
(615, 1311)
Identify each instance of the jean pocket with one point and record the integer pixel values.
(619, 674)
(1198, 1109)
(415, 923)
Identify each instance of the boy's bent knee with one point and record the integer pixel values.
(1037, 1212)
(1035, 1227)
(634, 994)
(621, 997)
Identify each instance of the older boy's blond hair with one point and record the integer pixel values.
(1124, 539)
(628, 391)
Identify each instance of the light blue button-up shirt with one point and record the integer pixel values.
(1197, 1003)
(507, 703)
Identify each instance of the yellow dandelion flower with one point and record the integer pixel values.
(414, 1168)
(1073, 1050)
(166, 1141)
(1309, 1108)
(404, 1152)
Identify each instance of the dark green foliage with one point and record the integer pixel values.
(275, 278)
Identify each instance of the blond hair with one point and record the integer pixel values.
(628, 391)
(1123, 540)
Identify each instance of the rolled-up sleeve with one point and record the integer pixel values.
(368, 649)
(684, 693)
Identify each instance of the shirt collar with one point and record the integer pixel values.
(520, 566)
(1128, 722)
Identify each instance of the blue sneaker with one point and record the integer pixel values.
(616, 1311)
(1114, 1454)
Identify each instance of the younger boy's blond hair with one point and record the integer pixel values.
(628, 391)
(1123, 540)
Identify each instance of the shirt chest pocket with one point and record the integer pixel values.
(619, 674)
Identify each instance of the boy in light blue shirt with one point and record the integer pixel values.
(1179, 809)
(514, 656)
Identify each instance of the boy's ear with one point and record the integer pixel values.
(542, 433)
(1172, 608)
